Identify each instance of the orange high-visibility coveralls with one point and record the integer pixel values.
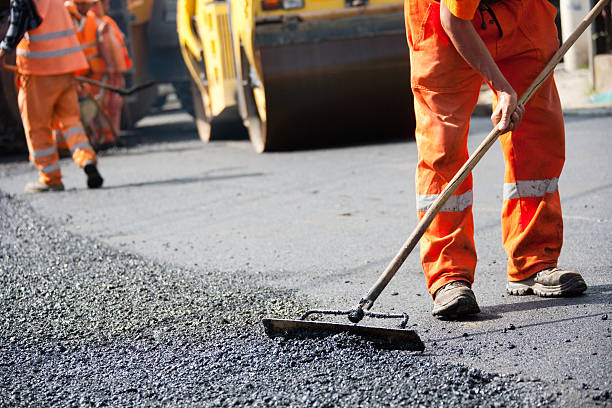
(86, 32)
(521, 36)
(93, 41)
(47, 57)
(119, 62)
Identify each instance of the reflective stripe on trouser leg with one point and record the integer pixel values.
(67, 114)
(532, 223)
(445, 92)
(37, 96)
(447, 247)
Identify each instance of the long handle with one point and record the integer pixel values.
(368, 301)
(120, 91)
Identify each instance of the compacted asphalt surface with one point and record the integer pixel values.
(150, 291)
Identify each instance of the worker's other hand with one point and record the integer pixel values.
(508, 113)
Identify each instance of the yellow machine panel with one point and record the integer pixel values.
(213, 27)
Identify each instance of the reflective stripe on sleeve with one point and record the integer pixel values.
(43, 152)
(73, 130)
(530, 188)
(48, 54)
(456, 203)
(83, 145)
(51, 168)
(49, 36)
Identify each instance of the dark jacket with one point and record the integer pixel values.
(23, 17)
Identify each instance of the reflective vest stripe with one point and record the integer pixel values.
(91, 57)
(49, 36)
(530, 188)
(51, 168)
(48, 54)
(456, 203)
(89, 45)
(52, 48)
(83, 145)
(73, 130)
(43, 152)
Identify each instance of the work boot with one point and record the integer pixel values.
(94, 179)
(550, 282)
(454, 300)
(37, 187)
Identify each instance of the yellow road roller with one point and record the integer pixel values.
(298, 73)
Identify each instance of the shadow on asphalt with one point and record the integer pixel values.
(185, 180)
(598, 294)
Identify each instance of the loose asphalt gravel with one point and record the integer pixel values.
(84, 324)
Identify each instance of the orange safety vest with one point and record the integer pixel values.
(121, 39)
(87, 33)
(52, 48)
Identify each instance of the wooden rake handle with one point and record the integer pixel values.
(368, 301)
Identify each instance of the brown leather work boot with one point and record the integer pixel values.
(454, 300)
(550, 282)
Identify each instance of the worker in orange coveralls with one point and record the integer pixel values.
(48, 54)
(94, 37)
(116, 68)
(454, 46)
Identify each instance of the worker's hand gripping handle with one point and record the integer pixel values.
(368, 301)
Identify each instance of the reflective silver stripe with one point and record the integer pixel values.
(50, 168)
(73, 130)
(94, 56)
(89, 45)
(530, 188)
(83, 145)
(43, 152)
(456, 203)
(49, 36)
(48, 54)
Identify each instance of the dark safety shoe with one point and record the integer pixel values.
(37, 187)
(550, 282)
(94, 179)
(454, 300)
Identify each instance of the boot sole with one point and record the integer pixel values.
(50, 189)
(462, 305)
(573, 287)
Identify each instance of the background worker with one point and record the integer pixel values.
(48, 54)
(116, 68)
(95, 38)
(454, 46)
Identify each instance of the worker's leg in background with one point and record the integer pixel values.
(37, 97)
(95, 127)
(534, 153)
(113, 104)
(445, 93)
(67, 114)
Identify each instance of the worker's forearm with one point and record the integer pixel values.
(470, 46)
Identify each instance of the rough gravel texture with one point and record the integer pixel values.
(83, 324)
